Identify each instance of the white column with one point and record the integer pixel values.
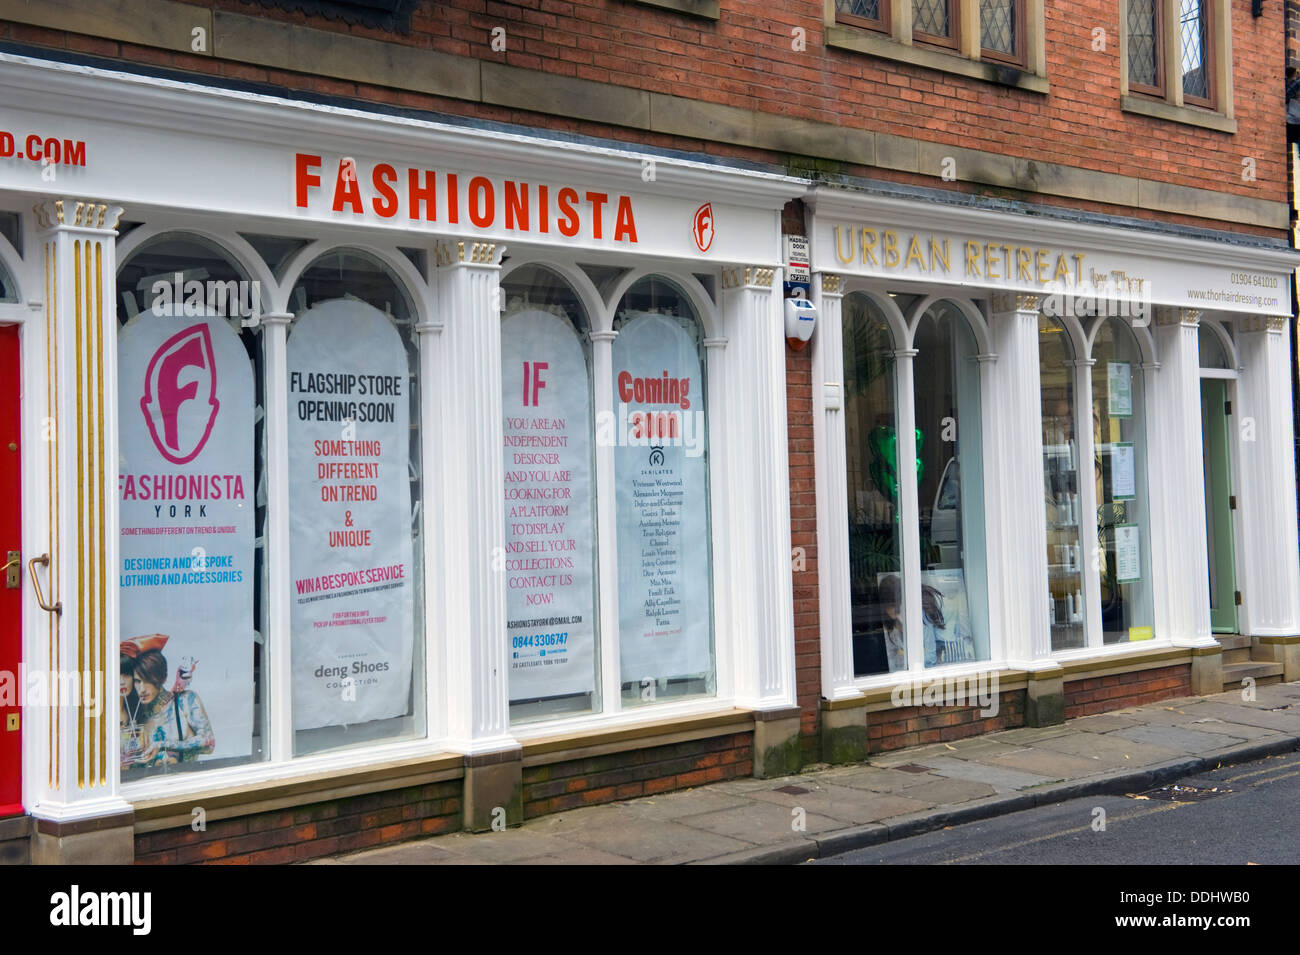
(433, 447)
(1179, 556)
(279, 657)
(602, 361)
(473, 482)
(1086, 443)
(1017, 532)
(913, 622)
(1266, 500)
(722, 472)
(833, 585)
(76, 774)
(763, 645)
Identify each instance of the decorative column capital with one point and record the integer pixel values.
(750, 276)
(1004, 302)
(277, 318)
(832, 284)
(715, 343)
(76, 214)
(605, 335)
(1187, 317)
(468, 253)
(1275, 324)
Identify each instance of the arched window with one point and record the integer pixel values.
(355, 524)
(661, 478)
(192, 504)
(873, 507)
(1067, 588)
(550, 506)
(1119, 470)
(950, 488)
(1210, 346)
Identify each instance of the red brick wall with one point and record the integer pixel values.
(918, 725)
(642, 772)
(1101, 694)
(309, 832)
(745, 60)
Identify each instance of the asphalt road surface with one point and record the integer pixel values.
(1254, 817)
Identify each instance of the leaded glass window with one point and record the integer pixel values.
(1143, 55)
(931, 17)
(998, 26)
(866, 9)
(1194, 39)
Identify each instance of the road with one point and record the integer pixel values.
(1252, 818)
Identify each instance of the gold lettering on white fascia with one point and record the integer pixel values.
(880, 249)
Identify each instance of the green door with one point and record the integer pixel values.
(1215, 434)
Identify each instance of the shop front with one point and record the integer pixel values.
(408, 468)
(1027, 456)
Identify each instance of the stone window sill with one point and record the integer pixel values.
(846, 38)
(707, 9)
(1188, 115)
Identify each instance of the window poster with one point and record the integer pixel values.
(1123, 482)
(185, 490)
(661, 498)
(1119, 391)
(550, 534)
(1128, 553)
(351, 546)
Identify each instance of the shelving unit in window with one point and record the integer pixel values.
(1065, 557)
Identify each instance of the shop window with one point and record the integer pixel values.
(551, 561)
(355, 518)
(1119, 471)
(8, 287)
(950, 488)
(192, 504)
(1210, 346)
(875, 531)
(1194, 43)
(661, 477)
(1066, 554)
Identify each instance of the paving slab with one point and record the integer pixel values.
(1104, 723)
(660, 841)
(1002, 780)
(850, 805)
(1286, 721)
(1180, 738)
(759, 823)
(877, 778)
(1109, 749)
(1046, 762)
(949, 791)
(690, 802)
(1212, 724)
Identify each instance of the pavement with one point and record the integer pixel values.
(827, 810)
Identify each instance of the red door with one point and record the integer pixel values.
(11, 750)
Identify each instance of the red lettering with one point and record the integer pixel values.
(543, 210)
(302, 163)
(33, 147)
(427, 195)
(74, 152)
(383, 176)
(597, 200)
(516, 206)
(6, 145)
(625, 386)
(453, 199)
(569, 224)
(345, 187)
(482, 202)
(626, 225)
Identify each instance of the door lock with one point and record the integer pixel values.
(12, 722)
(13, 569)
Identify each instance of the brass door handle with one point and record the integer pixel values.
(40, 597)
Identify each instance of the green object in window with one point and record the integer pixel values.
(883, 444)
